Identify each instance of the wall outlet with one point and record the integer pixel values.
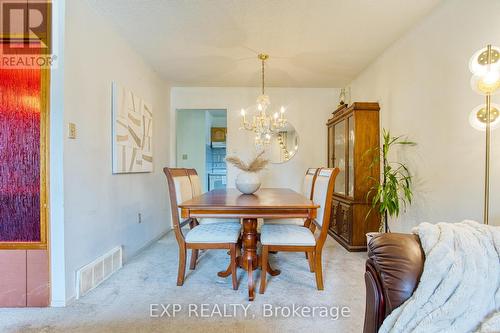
(71, 131)
(184, 156)
(139, 218)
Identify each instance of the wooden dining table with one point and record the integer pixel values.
(266, 203)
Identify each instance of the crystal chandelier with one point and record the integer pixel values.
(264, 125)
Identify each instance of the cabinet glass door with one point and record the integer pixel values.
(339, 156)
(350, 168)
(330, 146)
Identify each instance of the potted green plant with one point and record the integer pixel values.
(395, 188)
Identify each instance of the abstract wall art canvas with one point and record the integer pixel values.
(132, 132)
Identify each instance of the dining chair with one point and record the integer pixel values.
(295, 238)
(197, 190)
(307, 191)
(222, 235)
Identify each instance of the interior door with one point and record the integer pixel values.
(21, 181)
(24, 263)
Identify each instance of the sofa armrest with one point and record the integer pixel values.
(375, 303)
(393, 269)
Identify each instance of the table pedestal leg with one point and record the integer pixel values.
(249, 260)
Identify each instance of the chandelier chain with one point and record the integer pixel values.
(263, 76)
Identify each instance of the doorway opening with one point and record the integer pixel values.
(201, 144)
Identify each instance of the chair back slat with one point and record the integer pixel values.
(323, 193)
(179, 188)
(308, 184)
(183, 191)
(195, 182)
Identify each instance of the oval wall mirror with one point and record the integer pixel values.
(283, 146)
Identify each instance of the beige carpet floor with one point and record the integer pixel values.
(123, 302)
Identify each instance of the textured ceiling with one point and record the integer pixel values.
(312, 43)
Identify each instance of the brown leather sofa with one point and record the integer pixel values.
(393, 269)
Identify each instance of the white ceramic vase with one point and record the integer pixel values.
(248, 182)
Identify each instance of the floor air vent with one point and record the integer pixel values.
(90, 276)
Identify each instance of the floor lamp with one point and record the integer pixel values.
(485, 67)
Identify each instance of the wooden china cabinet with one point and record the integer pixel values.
(353, 139)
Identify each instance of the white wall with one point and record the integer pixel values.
(307, 109)
(192, 141)
(218, 121)
(100, 208)
(422, 84)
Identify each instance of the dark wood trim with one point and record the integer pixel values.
(342, 112)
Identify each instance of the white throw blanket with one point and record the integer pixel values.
(459, 290)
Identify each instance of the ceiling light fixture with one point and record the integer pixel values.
(264, 125)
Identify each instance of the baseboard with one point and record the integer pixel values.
(145, 246)
(58, 304)
(62, 304)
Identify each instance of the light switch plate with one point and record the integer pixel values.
(71, 131)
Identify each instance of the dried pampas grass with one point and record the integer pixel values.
(257, 164)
